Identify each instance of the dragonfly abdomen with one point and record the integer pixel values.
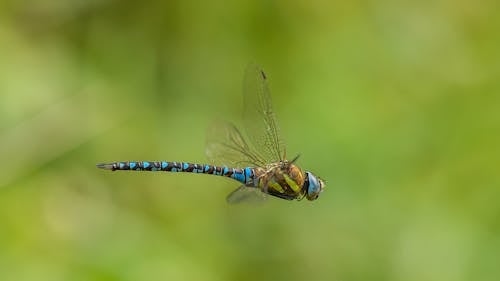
(245, 175)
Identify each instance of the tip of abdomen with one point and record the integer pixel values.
(105, 166)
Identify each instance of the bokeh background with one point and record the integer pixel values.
(396, 104)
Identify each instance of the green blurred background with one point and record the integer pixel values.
(396, 104)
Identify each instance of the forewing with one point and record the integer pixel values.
(225, 145)
(258, 116)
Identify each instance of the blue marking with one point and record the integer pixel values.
(132, 165)
(164, 165)
(173, 170)
(122, 165)
(185, 166)
(206, 168)
(239, 177)
(226, 169)
(145, 165)
(248, 173)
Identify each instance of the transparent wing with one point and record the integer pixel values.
(258, 116)
(225, 145)
(246, 194)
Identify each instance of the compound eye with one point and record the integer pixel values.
(314, 187)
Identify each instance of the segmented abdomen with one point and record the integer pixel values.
(245, 175)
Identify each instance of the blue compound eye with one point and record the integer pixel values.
(315, 186)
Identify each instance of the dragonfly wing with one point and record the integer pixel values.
(246, 194)
(258, 116)
(225, 145)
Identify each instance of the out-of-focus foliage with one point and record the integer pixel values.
(395, 104)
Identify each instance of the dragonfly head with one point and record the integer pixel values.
(314, 186)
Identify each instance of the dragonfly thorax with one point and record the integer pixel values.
(283, 180)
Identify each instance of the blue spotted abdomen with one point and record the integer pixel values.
(245, 175)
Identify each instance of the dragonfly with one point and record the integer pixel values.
(256, 159)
